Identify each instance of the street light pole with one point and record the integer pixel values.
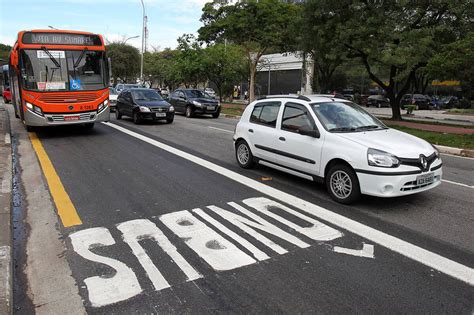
(143, 41)
(53, 28)
(130, 38)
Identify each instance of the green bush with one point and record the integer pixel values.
(410, 109)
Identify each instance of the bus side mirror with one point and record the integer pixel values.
(14, 58)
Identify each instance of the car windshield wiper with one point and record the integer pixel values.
(368, 127)
(56, 63)
(342, 129)
(78, 60)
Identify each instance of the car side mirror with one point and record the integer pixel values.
(306, 131)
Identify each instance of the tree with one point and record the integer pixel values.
(395, 37)
(223, 65)
(125, 61)
(320, 39)
(189, 61)
(454, 61)
(254, 25)
(4, 53)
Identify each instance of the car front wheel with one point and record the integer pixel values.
(342, 184)
(243, 154)
(189, 112)
(118, 114)
(136, 118)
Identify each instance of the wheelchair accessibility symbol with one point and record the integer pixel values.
(75, 84)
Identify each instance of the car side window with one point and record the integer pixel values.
(265, 114)
(181, 94)
(296, 116)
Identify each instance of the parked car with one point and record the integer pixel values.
(193, 102)
(336, 142)
(449, 102)
(113, 95)
(122, 86)
(378, 101)
(419, 100)
(211, 92)
(143, 104)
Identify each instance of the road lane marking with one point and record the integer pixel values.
(417, 253)
(8, 138)
(456, 183)
(122, 285)
(195, 229)
(66, 210)
(220, 129)
(367, 251)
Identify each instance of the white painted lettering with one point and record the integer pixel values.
(259, 223)
(317, 231)
(141, 229)
(103, 291)
(218, 252)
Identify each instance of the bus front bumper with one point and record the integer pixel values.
(33, 119)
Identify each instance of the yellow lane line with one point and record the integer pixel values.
(66, 210)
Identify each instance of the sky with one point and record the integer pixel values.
(114, 19)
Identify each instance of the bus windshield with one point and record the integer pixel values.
(59, 70)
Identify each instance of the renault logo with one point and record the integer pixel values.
(423, 162)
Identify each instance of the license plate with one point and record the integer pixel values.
(424, 179)
(66, 118)
(160, 114)
(210, 108)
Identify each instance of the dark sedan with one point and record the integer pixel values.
(192, 102)
(378, 101)
(419, 100)
(143, 104)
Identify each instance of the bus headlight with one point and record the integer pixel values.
(34, 108)
(29, 106)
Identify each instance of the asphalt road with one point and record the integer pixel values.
(136, 250)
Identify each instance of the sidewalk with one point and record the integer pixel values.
(438, 116)
(434, 128)
(6, 270)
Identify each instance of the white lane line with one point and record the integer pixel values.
(421, 255)
(459, 184)
(220, 129)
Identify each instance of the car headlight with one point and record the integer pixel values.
(171, 109)
(436, 151)
(144, 109)
(381, 159)
(197, 103)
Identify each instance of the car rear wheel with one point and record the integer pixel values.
(244, 155)
(342, 184)
(189, 112)
(118, 114)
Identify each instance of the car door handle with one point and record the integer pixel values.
(251, 130)
(282, 139)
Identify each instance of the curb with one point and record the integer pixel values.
(455, 151)
(6, 248)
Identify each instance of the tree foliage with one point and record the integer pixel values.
(4, 52)
(125, 60)
(396, 37)
(254, 25)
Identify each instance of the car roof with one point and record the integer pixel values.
(314, 98)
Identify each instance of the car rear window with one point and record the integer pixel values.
(265, 114)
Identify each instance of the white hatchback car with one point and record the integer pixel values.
(337, 142)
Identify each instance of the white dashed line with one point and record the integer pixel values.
(224, 130)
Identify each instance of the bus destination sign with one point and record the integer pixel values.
(61, 39)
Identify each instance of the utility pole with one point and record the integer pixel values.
(143, 41)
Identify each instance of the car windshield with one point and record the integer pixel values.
(146, 95)
(196, 94)
(59, 70)
(345, 117)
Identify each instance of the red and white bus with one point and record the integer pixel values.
(59, 77)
